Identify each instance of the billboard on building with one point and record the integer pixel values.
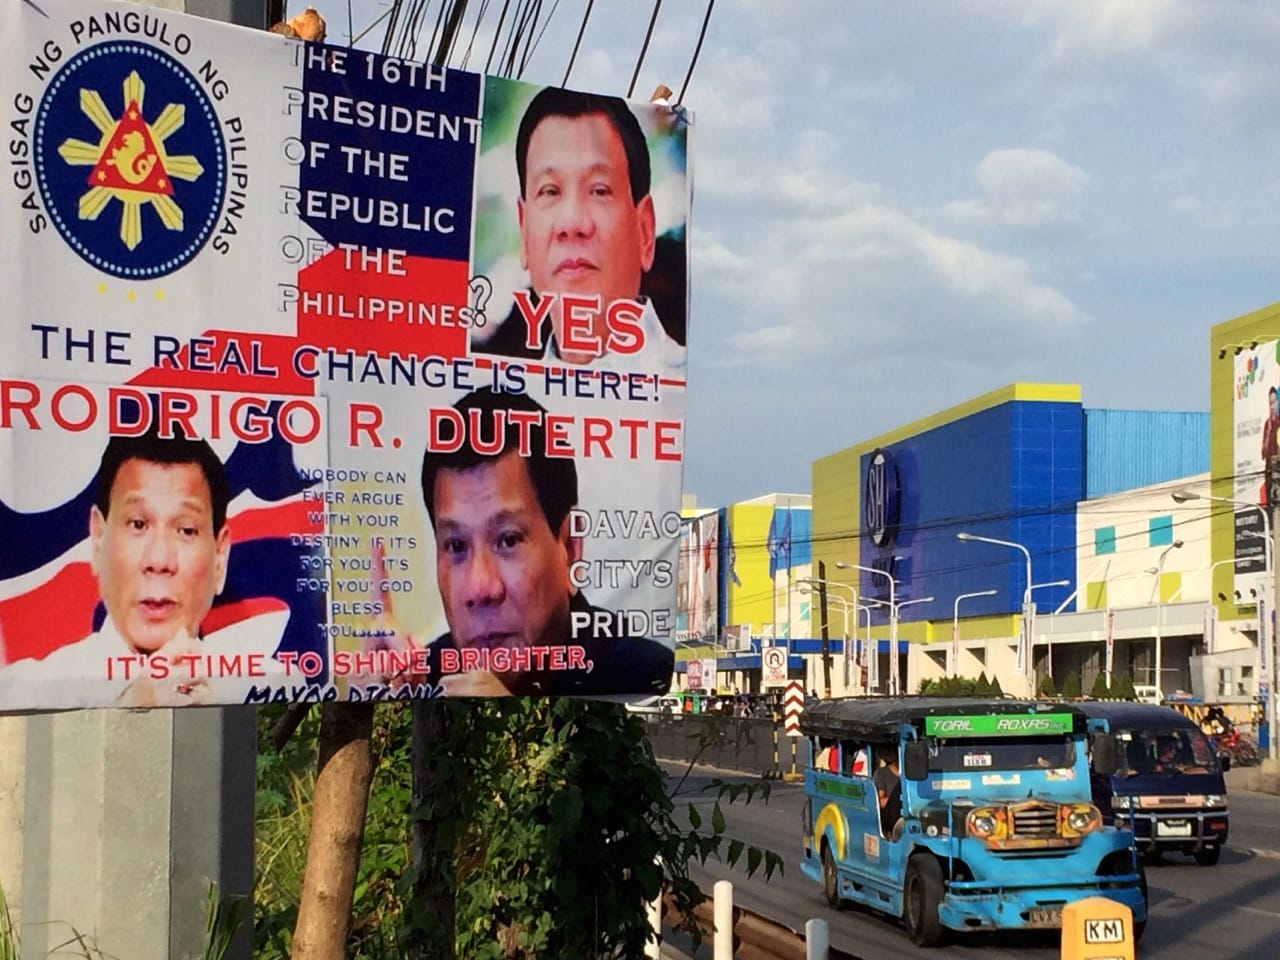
(305, 395)
(697, 600)
(1256, 421)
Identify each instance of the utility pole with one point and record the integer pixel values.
(1266, 635)
(826, 632)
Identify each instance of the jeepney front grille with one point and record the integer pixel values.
(1035, 820)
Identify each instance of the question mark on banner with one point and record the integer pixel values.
(481, 290)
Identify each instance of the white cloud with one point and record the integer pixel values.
(1025, 188)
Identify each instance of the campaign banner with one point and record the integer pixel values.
(1256, 416)
(697, 599)
(328, 375)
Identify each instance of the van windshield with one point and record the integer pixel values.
(1165, 751)
(1001, 753)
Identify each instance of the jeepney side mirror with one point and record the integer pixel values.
(1105, 754)
(915, 760)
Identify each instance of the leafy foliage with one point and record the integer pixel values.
(1122, 687)
(1100, 690)
(1071, 686)
(572, 832)
(569, 832)
(285, 782)
(1047, 687)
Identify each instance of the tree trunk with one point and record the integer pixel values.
(339, 802)
(438, 741)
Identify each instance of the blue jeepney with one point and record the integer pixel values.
(994, 827)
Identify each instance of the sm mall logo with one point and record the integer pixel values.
(882, 499)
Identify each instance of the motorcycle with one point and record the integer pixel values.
(1237, 748)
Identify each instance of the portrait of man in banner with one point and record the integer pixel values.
(504, 546)
(581, 227)
(159, 546)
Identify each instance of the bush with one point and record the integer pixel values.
(1100, 690)
(1071, 686)
(1122, 687)
(1048, 688)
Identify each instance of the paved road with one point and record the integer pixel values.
(1227, 912)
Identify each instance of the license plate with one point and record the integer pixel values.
(1044, 917)
(1173, 828)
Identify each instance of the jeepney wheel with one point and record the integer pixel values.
(1208, 856)
(921, 896)
(830, 882)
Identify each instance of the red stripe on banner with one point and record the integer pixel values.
(277, 521)
(231, 613)
(50, 616)
(383, 302)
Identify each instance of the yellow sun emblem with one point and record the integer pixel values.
(129, 161)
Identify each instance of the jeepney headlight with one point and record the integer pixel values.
(1080, 818)
(1121, 802)
(1215, 800)
(987, 823)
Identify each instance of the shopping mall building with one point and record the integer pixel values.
(1139, 534)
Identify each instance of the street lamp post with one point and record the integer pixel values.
(893, 619)
(1028, 611)
(807, 585)
(953, 660)
(895, 611)
(1159, 572)
(1266, 636)
(1048, 642)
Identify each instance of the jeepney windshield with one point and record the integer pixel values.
(1001, 753)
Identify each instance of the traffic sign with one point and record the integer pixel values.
(773, 661)
(792, 707)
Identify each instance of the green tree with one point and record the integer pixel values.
(995, 688)
(1047, 687)
(1122, 687)
(1100, 690)
(983, 687)
(1071, 686)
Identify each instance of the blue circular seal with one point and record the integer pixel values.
(130, 160)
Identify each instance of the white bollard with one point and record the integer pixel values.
(722, 914)
(653, 948)
(817, 940)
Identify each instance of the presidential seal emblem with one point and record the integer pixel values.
(130, 161)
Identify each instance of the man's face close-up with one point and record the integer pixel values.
(157, 560)
(503, 573)
(580, 231)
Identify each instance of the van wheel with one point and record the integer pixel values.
(921, 897)
(830, 882)
(1208, 856)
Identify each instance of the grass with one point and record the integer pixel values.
(223, 915)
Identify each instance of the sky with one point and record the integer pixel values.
(898, 207)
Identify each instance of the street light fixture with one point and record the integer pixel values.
(1266, 638)
(809, 585)
(954, 659)
(893, 621)
(1158, 570)
(1028, 611)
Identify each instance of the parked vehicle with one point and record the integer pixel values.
(996, 828)
(1168, 786)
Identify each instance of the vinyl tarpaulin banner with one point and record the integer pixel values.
(329, 375)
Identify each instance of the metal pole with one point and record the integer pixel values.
(893, 638)
(722, 916)
(1270, 524)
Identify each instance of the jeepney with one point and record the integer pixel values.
(997, 827)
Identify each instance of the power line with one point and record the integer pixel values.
(696, 50)
(657, 5)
